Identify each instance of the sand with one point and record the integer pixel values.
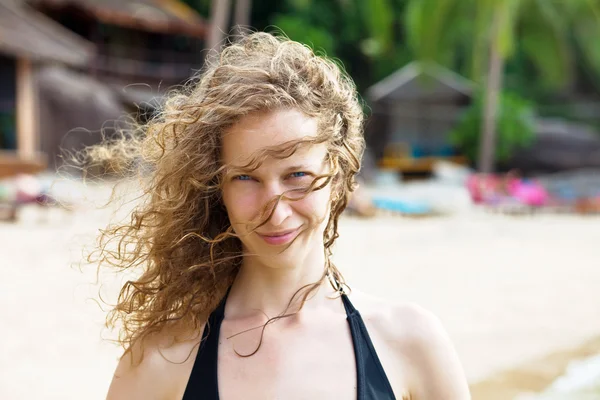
(518, 295)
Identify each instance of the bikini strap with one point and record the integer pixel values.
(203, 380)
(348, 305)
(219, 312)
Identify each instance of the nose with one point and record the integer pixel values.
(282, 211)
(279, 210)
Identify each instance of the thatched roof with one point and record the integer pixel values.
(166, 16)
(75, 110)
(405, 84)
(26, 33)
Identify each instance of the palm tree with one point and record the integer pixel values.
(491, 30)
(242, 12)
(219, 22)
(219, 16)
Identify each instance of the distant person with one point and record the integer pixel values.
(236, 295)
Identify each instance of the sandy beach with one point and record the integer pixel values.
(518, 295)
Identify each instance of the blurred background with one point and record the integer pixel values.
(480, 188)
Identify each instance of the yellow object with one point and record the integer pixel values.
(398, 157)
(180, 10)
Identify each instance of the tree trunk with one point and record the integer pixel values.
(219, 23)
(487, 149)
(242, 13)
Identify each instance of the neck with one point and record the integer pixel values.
(262, 289)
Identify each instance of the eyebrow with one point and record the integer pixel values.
(299, 167)
(241, 169)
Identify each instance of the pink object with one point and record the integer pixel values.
(530, 193)
(491, 189)
(482, 187)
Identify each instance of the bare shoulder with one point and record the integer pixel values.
(157, 367)
(417, 337)
(401, 322)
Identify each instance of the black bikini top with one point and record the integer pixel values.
(372, 382)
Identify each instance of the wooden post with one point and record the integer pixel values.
(27, 110)
(487, 148)
(219, 23)
(242, 15)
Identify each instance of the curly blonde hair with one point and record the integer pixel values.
(179, 237)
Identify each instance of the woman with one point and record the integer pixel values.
(238, 297)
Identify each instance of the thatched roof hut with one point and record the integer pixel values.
(29, 40)
(416, 106)
(25, 33)
(163, 16)
(420, 82)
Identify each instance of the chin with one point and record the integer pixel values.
(281, 257)
(280, 261)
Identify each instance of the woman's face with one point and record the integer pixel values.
(295, 228)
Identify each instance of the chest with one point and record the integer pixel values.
(314, 361)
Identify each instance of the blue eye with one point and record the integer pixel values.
(297, 174)
(242, 178)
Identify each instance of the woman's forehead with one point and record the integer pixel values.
(257, 132)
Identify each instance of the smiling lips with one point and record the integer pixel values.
(279, 238)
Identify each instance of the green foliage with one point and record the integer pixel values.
(496, 32)
(202, 6)
(537, 33)
(365, 36)
(514, 123)
(295, 28)
(541, 39)
(378, 19)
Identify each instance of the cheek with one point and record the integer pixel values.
(241, 204)
(315, 206)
